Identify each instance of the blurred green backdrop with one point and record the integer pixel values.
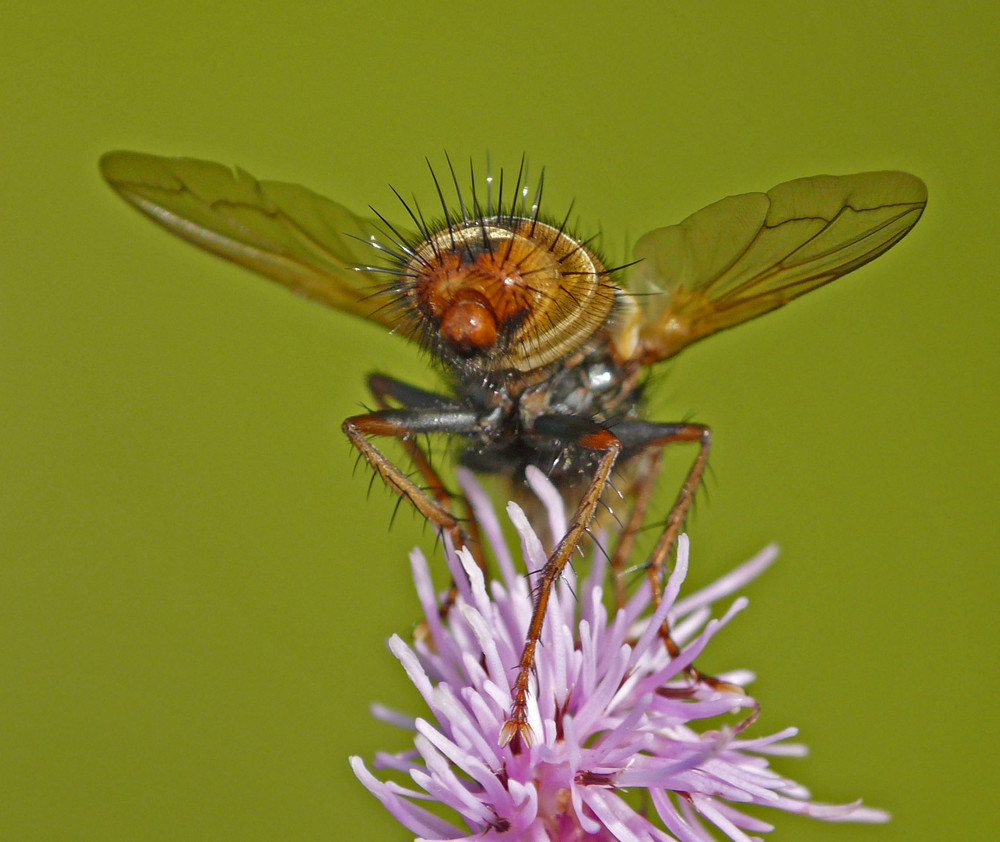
(195, 589)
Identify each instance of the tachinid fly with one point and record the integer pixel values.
(542, 346)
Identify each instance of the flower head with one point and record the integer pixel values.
(610, 710)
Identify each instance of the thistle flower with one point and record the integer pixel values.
(610, 711)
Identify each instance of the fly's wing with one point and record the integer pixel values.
(749, 254)
(286, 232)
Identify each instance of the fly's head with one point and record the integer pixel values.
(498, 293)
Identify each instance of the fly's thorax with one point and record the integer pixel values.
(506, 293)
(595, 386)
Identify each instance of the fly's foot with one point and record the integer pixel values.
(516, 731)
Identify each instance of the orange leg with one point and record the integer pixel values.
(404, 424)
(516, 729)
(678, 512)
(668, 538)
(468, 535)
(642, 492)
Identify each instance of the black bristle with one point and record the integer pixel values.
(458, 190)
(444, 204)
(517, 190)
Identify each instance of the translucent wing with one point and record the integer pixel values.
(284, 231)
(749, 254)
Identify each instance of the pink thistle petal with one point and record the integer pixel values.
(608, 705)
(489, 524)
(550, 498)
(731, 581)
(391, 716)
(394, 798)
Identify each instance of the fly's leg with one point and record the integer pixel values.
(403, 424)
(643, 435)
(597, 438)
(642, 492)
(383, 388)
(678, 512)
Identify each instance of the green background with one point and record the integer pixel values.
(196, 591)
